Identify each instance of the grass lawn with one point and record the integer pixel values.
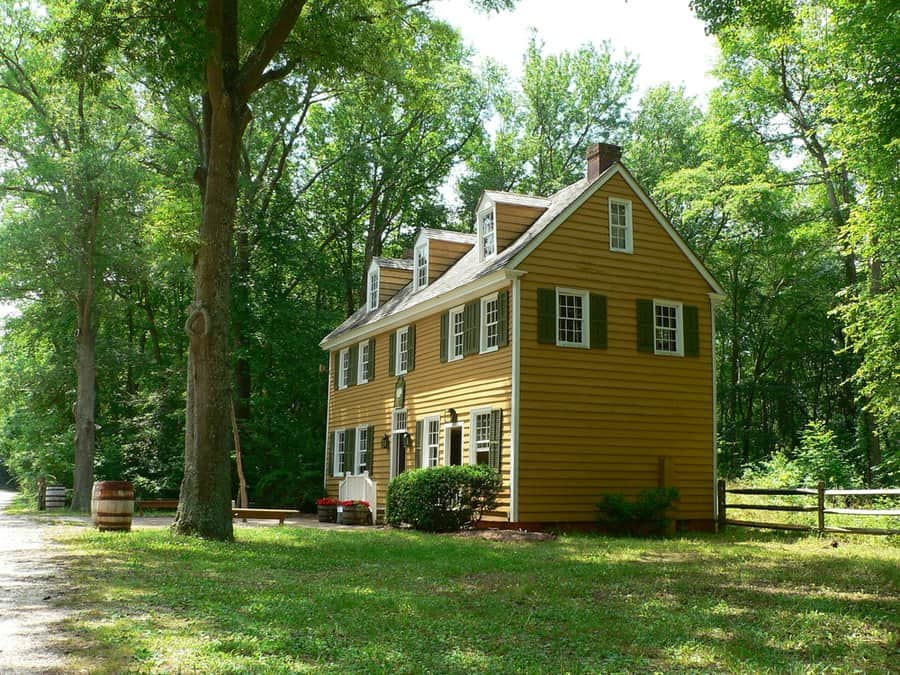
(285, 599)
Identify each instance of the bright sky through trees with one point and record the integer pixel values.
(664, 35)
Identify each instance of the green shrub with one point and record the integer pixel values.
(442, 499)
(644, 515)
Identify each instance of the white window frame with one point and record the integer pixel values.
(374, 290)
(344, 372)
(629, 226)
(451, 334)
(362, 371)
(420, 266)
(362, 433)
(401, 355)
(679, 328)
(484, 348)
(481, 214)
(585, 318)
(429, 460)
(339, 449)
(473, 434)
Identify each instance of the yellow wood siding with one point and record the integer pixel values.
(512, 220)
(595, 421)
(476, 381)
(442, 255)
(392, 281)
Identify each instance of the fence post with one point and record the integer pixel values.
(821, 490)
(721, 502)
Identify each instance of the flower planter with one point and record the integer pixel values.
(327, 513)
(355, 516)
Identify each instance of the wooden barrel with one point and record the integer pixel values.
(112, 505)
(56, 497)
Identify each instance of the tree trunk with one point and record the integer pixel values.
(85, 404)
(205, 502)
(86, 360)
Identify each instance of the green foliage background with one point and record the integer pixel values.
(785, 185)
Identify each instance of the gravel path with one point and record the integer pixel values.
(29, 584)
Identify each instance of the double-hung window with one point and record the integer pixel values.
(344, 372)
(667, 328)
(456, 334)
(430, 442)
(402, 355)
(421, 265)
(481, 436)
(340, 453)
(490, 324)
(572, 307)
(373, 289)
(362, 370)
(621, 236)
(488, 234)
(362, 449)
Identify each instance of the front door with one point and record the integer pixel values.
(399, 453)
(455, 438)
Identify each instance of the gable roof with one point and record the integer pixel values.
(461, 279)
(448, 235)
(392, 263)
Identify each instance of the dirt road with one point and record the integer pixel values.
(30, 584)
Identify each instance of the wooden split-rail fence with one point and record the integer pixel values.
(821, 509)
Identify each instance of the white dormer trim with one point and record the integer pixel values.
(421, 246)
(373, 286)
(488, 208)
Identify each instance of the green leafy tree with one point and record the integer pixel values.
(69, 178)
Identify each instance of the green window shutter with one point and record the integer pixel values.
(349, 450)
(445, 331)
(392, 368)
(644, 325)
(329, 449)
(471, 327)
(546, 318)
(371, 458)
(691, 316)
(411, 349)
(370, 372)
(598, 321)
(420, 430)
(496, 439)
(335, 370)
(354, 361)
(503, 318)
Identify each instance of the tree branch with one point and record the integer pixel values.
(250, 78)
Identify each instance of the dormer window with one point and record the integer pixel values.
(373, 290)
(487, 234)
(420, 276)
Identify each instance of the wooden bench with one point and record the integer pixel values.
(268, 514)
(156, 504)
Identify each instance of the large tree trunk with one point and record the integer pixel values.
(86, 360)
(205, 501)
(85, 404)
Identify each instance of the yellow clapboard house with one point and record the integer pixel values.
(568, 343)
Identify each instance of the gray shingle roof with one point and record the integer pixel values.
(394, 263)
(468, 268)
(449, 235)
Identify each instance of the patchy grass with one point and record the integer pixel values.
(284, 600)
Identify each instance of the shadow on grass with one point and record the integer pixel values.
(289, 600)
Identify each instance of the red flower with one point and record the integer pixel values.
(328, 501)
(355, 503)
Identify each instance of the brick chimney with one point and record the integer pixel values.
(600, 156)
